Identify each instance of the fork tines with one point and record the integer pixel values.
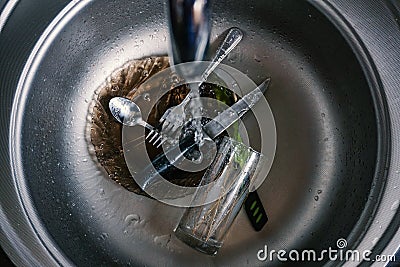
(155, 138)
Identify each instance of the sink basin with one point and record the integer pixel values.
(329, 179)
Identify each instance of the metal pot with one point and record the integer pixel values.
(334, 94)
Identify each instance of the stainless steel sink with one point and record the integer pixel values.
(334, 176)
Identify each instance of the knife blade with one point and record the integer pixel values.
(229, 116)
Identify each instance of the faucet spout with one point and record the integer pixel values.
(189, 26)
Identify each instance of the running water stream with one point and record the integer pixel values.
(190, 27)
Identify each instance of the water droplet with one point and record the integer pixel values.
(319, 191)
(162, 240)
(132, 219)
(103, 236)
(174, 78)
(102, 192)
(233, 58)
(84, 160)
(395, 205)
(146, 97)
(323, 115)
(316, 198)
(114, 88)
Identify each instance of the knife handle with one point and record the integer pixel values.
(255, 211)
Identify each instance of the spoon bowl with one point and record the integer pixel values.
(126, 112)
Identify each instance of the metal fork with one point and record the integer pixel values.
(173, 118)
(155, 138)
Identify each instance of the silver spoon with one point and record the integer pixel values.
(128, 113)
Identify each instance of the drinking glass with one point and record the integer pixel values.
(204, 227)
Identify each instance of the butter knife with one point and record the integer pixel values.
(229, 116)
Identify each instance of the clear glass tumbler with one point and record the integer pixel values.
(204, 227)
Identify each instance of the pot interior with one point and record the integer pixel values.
(327, 135)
